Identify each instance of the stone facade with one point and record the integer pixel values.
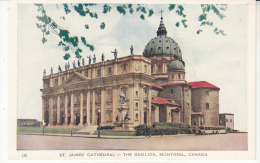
(154, 84)
(73, 97)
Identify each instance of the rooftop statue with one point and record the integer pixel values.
(74, 64)
(94, 59)
(83, 61)
(68, 66)
(89, 59)
(78, 63)
(51, 70)
(122, 97)
(44, 72)
(59, 68)
(131, 50)
(102, 57)
(115, 53)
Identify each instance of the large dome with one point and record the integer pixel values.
(162, 45)
(176, 65)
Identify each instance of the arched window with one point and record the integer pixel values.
(136, 105)
(136, 93)
(179, 76)
(136, 116)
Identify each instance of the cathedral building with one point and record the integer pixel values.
(153, 83)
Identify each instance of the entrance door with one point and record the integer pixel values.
(175, 116)
(77, 119)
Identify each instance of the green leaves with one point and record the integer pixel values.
(83, 10)
(102, 25)
(77, 53)
(86, 26)
(198, 32)
(66, 56)
(83, 40)
(106, 8)
(121, 9)
(177, 24)
(66, 8)
(150, 12)
(142, 16)
(44, 40)
(206, 23)
(171, 7)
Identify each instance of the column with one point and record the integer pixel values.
(43, 108)
(115, 69)
(58, 110)
(66, 109)
(81, 107)
(94, 120)
(141, 104)
(164, 67)
(115, 102)
(103, 108)
(50, 111)
(88, 107)
(149, 105)
(131, 96)
(72, 109)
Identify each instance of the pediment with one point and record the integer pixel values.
(75, 78)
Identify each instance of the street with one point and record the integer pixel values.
(223, 142)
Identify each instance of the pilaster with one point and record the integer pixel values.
(58, 110)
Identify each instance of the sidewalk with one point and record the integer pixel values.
(104, 136)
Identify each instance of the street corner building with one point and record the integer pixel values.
(153, 83)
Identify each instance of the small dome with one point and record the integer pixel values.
(176, 65)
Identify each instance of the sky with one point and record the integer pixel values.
(220, 60)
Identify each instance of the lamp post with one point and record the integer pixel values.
(98, 121)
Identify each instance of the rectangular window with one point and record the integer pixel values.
(109, 71)
(207, 105)
(230, 120)
(207, 92)
(98, 73)
(226, 120)
(171, 90)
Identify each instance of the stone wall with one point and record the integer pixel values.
(200, 97)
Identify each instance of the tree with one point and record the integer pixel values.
(71, 44)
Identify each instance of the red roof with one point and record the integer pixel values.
(171, 84)
(156, 86)
(159, 100)
(202, 84)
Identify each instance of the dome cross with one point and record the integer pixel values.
(161, 12)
